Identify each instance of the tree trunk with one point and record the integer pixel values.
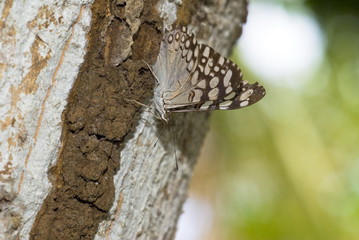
(78, 160)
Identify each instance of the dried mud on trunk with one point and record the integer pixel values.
(98, 118)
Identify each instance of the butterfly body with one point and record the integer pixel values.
(194, 77)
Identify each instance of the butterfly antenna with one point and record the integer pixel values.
(159, 137)
(174, 146)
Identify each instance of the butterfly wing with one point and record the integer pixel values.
(173, 65)
(247, 95)
(194, 77)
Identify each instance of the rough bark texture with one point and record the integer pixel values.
(66, 70)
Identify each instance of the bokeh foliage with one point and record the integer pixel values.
(288, 167)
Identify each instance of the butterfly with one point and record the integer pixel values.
(194, 77)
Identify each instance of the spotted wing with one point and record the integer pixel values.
(194, 77)
(244, 96)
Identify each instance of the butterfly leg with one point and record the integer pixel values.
(144, 105)
(148, 65)
(137, 102)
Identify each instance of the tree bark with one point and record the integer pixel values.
(78, 160)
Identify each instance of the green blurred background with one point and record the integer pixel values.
(288, 166)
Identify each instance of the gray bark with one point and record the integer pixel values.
(43, 61)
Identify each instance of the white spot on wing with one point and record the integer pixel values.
(246, 94)
(244, 103)
(194, 78)
(225, 103)
(221, 60)
(202, 84)
(210, 62)
(214, 82)
(227, 77)
(207, 69)
(196, 51)
(206, 52)
(190, 65)
(230, 96)
(189, 55)
(187, 43)
(213, 94)
(197, 95)
(183, 38)
(206, 105)
(229, 89)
